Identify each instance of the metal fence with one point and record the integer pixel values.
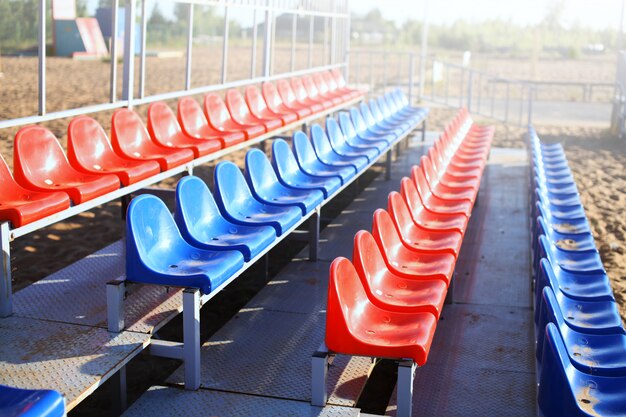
(336, 28)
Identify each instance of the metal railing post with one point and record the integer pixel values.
(311, 37)
(294, 32)
(267, 47)
(113, 86)
(225, 44)
(42, 57)
(142, 59)
(189, 47)
(411, 71)
(129, 52)
(470, 80)
(530, 105)
(461, 87)
(506, 104)
(255, 34)
(6, 287)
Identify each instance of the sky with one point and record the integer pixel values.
(598, 14)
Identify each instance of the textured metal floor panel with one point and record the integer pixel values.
(69, 358)
(77, 294)
(168, 401)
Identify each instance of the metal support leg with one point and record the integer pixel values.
(120, 399)
(388, 165)
(406, 372)
(450, 294)
(6, 286)
(125, 200)
(116, 291)
(319, 373)
(314, 234)
(305, 129)
(477, 198)
(424, 130)
(262, 146)
(266, 265)
(191, 337)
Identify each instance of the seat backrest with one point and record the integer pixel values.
(320, 140)
(427, 171)
(375, 110)
(38, 157)
(237, 106)
(391, 103)
(128, 132)
(399, 211)
(346, 126)
(338, 77)
(357, 120)
(196, 209)
(259, 171)
(190, 116)
(88, 144)
(286, 92)
(8, 185)
(434, 160)
(386, 234)
(367, 115)
(162, 123)
(230, 186)
(215, 110)
(320, 83)
(411, 197)
(254, 99)
(368, 261)
(298, 88)
(310, 87)
(331, 83)
(302, 148)
(421, 185)
(384, 108)
(272, 98)
(335, 135)
(283, 159)
(151, 235)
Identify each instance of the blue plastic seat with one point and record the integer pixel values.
(202, 225)
(342, 147)
(326, 154)
(564, 390)
(556, 199)
(388, 112)
(402, 101)
(574, 286)
(290, 174)
(580, 262)
(30, 403)
(363, 131)
(310, 163)
(558, 189)
(266, 187)
(415, 113)
(572, 226)
(382, 119)
(349, 132)
(237, 204)
(156, 252)
(381, 127)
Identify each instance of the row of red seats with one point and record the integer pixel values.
(47, 181)
(386, 302)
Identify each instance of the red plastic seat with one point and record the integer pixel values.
(194, 123)
(131, 139)
(315, 93)
(449, 181)
(390, 291)
(427, 218)
(355, 326)
(241, 113)
(89, 151)
(259, 108)
(316, 104)
(276, 104)
(459, 164)
(41, 165)
(165, 130)
(289, 98)
(409, 263)
(414, 235)
(219, 118)
(434, 203)
(336, 82)
(450, 171)
(319, 82)
(21, 206)
(448, 193)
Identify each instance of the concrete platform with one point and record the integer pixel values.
(481, 362)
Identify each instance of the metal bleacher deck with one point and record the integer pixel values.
(481, 360)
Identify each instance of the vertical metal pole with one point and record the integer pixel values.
(357, 64)
(521, 103)
(189, 47)
(406, 371)
(492, 88)
(113, 87)
(314, 235)
(398, 67)
(530, 105)
(115, 292)
(371, 71)
(346, 49)
(461, 89)
(333, 35)
(294, 33)
(267, 47)
(225, 44)
(6, 286)
(469, 89)
(480, 91)
(42, 57)
(129, 52)
(447, 81)
(191, 337)
(319, 374)
(385, 60)
(326, 48)
(424, 53)
(142, 58)
(411, 72)
(506, 105)
(311, 37)
(255, 34)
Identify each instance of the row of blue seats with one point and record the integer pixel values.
(210, 237)
(30, 403)
(580, 339)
